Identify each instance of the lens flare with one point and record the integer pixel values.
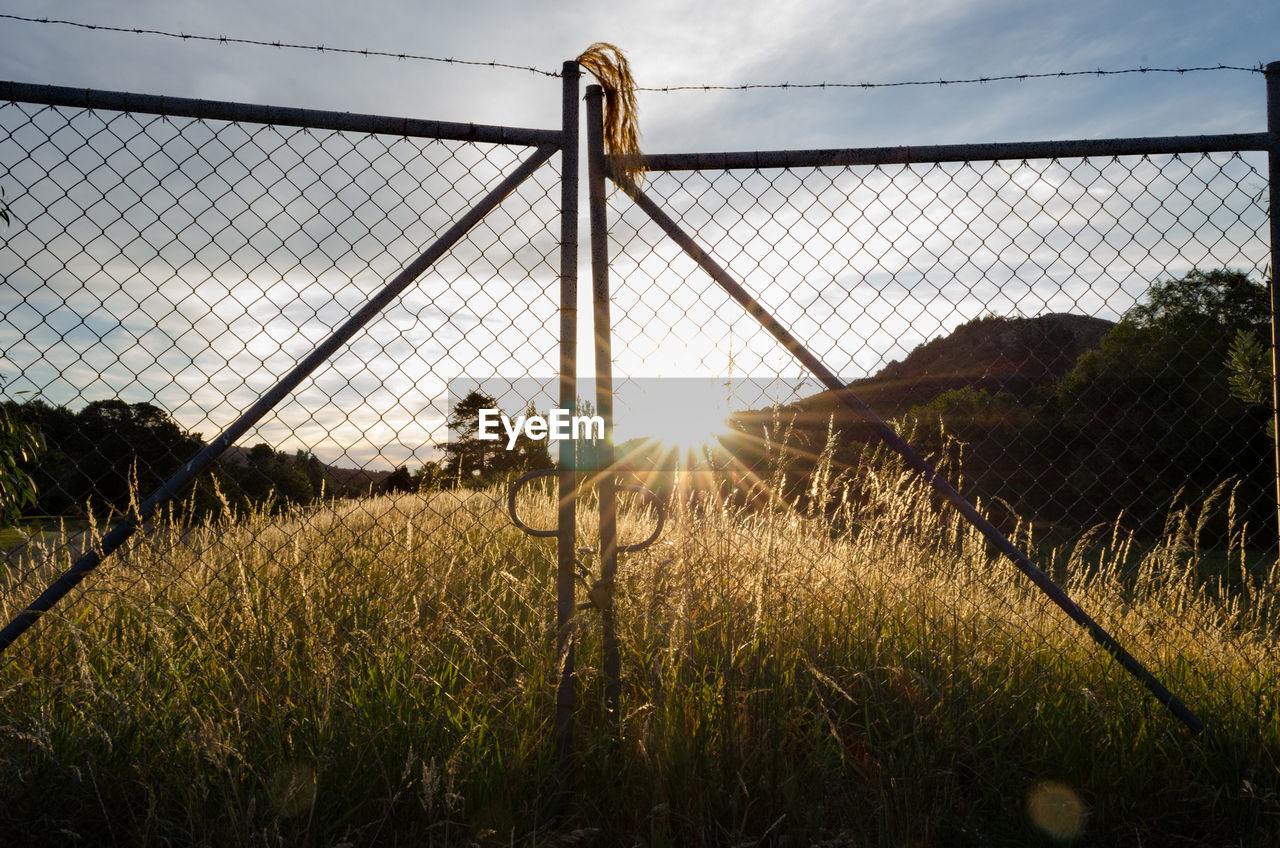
(1056, 809)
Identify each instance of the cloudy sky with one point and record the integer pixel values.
(377, 405)
(679, 43)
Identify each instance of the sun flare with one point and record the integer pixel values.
(680, 419)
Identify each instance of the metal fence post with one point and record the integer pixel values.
(604, 392)
(567, 479)
(1273, 198)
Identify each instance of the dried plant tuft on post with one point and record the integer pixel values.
(609, 66)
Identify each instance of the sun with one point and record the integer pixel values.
(693, 428)
(677, 414)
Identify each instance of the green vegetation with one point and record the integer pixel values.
(1072, 421)
(1159, 413)
(20, 444)
(1251, 378)
(268, 666)
(95, 456)
(68, 465)
(1150, 413)
(381, 671)
(471, 461)
(95, 459)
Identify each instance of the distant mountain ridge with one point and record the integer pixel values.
(994, 353)
(1040, 349)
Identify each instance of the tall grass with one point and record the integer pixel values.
(382, 672)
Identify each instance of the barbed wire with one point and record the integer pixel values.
(321, 48)
(1044, 75)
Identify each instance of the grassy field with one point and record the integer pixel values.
(381, 672)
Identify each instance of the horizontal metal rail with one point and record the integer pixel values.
(218, 110)
(958, 152)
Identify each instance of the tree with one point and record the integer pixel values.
(311, 466)
(1203, 300)
(267, 474)
(1151, 411)
(469, 459)
(428, 476)
(97, 456)
(117, 446)
(109, 450)
(398, 481)
(1251, 378)
(20, 443)
(527, 454)
(52, 469)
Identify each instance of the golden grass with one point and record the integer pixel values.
(381, 671)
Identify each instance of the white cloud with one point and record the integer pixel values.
(670, 43)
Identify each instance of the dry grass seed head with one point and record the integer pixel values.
(611, 70)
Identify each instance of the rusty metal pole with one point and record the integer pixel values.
(607, 487)
(566, 516)
(1273, 199)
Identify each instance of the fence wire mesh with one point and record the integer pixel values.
(159, 275)
(1078, 342)
(1068, 339)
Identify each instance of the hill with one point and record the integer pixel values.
(1015, 355)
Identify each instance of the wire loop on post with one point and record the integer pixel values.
(659, 508)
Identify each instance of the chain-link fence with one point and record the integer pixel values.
(1076, 342)
(1077, 339)
(161, 274)
(1071, 321)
